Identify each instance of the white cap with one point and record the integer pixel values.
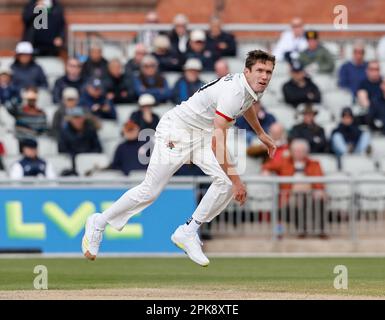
(5, 70)
(193, 64)
(180, 19)
(70, 93)
(146, 99)
(197, 35)
(24, 47)
(162, 41)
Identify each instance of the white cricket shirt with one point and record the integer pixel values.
(229, 97)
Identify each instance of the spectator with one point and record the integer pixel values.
(130, 154)
(133, 65)
(78, 135)
(189, 83)
(119, 87)
(348, 137)
(26, 72)
(9, 94)
(167, 59)
(309, 130)
(198, 49)
(46, 41)
(151, 81)
(377, 110)
(300, 88)
(30, 120)
(31, 165)
(95, 66)
(144, 117)
(295, 197)
(369, 89)
(179, 34)
(291, 42)
(70, 100)
(221, 68)
(352, 73)
(265, 119)
(96, 101)
(148, 36)
(316, 58)
(72, 78)
(222, 42)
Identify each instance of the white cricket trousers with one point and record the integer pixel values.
(175, 144)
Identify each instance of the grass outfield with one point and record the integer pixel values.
(309, 276)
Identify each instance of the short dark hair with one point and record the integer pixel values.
(258, 55)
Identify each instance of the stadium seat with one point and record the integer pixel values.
(285, 115)
(253, 166)
(324, 116)
(276, 84)
(7, 121)
(328, 162)
(161, 109)
(236, 65)
(339, 194)
(52, 66)
(208, 76)
(357, 164)
(50, 112)
(281, 69)
(270, 100)
(336, 100)
(333, 47)
(3, 175)
(47, 146)
(11, 144)
(108, 174)
(44, 99)
(245, 47)
(59, 162)
(109, 146)
(325, 82)
(172, 78)
(87, 162)
(378, 146)
(9, 160)
(371, 194)
(260, 197)
(109, 130)
(124, 112)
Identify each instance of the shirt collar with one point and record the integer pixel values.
(256, 96)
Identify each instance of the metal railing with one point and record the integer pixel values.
(348, 208)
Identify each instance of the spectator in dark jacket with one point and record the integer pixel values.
(167, 59)
(95, 66)
(300, 88)
(46, 40)
(369, 88)
(179, 34)
(72, 78)
(265, 119)
(348, 137)
(144, 117)
(26, 72)
(118, 87)
(352, 73)
(96, 101)
(222, 42)
(377, 111)
(78, 135)
(9, 94)
(198, 49)
(189, 83)
(131, 154)
(151, 81)
(133, 65)
(309, 130)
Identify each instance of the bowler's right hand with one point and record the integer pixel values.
(240, 192)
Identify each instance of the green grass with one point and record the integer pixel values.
(292, 275)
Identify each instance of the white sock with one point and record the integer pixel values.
(100, 222)
(192, 225)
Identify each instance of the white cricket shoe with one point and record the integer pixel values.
(92, 238)
(191, 245)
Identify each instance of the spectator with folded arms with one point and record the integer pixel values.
(9, 94)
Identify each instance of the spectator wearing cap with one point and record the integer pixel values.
(31, 121)
(291, 42)
(316, 58)
(46, 41)
(78, 135)
(144, 117)
(167, 59)
(96, 66)
(132, 66)
(348, 137)
(377, 111)
(70, 100)
(150, 80)
(31, 165)
(9, 94)
(130, 154)
(353, 72)
(72, 78)
(300, 88)
(265, 118)
(118, 87)
(198, 49)
(369, 88)
(26, 72)
(189, 83)
(221, 68)
(179, 34)
(94, 100)
(222, 42)
(309, 130)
